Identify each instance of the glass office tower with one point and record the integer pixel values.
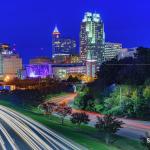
(92, 38)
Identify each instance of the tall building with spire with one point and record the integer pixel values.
(55, 41)
(62, 46)
(92, 38)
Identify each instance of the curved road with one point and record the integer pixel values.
(133, 129)
(18, 132)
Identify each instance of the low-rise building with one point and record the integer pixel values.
(9, 66)
(62, 71)
(36, 71)
(61, 58)
(127, 52)
(40, 60)
(111, 50)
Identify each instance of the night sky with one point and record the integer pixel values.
(29, 23)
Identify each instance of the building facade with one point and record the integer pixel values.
(55, 42)
(63, 71)
(92, 37)
(40, 60)
(127, 52)
(111, 50)
(11, 64)
(61, 58)
(75, 59)
(6, 49)
(61, 45)
(66, 59)
(39, 70)
(60, 71)
(1, 66)
(91, 65)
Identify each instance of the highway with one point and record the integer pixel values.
(133, 129)
(18, 132)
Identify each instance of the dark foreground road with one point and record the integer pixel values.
(18, 132)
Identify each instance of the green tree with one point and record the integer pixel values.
(72, 79)
(63, 111)
(146, 92)
(85, 102)
(49, 107)
(109, 125)
(79, 118)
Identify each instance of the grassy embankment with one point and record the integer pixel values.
(86, 136)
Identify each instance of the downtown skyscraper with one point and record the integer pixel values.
(55, 41)
(62, 45)
(92, 39)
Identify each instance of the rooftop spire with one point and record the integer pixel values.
(56, 31)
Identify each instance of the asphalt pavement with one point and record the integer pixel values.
(18, 132)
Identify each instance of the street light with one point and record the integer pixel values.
(7, 79)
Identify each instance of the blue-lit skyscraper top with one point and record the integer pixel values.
(92, 37)
(88, 17)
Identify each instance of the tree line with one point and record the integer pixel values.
(122, 88)
(108, 125)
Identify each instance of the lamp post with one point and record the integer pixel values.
(120, 93)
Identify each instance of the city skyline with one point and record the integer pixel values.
(128, 30)
(74, 75)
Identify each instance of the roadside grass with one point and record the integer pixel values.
(55, 95)
(127, 144)
(85, 136)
